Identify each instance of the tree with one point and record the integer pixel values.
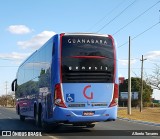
(3, 100)
(7, 100)
(154, 78)
(136, 87)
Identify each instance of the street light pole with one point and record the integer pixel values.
(6, 93)
(141, 98)
(129, 79)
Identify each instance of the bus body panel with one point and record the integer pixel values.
(77, 103)
(69, 115)
(90, 94)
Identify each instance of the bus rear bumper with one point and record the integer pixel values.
(76, 115)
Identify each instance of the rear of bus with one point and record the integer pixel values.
(88, 88)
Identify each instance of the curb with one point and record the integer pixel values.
(141, 122)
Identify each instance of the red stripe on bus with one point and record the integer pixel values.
(92, 57)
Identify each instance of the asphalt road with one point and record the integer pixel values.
(119, 129)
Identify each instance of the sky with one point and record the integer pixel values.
(26, 25)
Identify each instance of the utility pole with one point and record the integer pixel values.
(141, 99)
(129, 77)
(6, 92)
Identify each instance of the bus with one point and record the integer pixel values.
(71, 79)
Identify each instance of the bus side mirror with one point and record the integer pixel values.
(14, 85)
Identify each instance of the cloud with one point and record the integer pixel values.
(152, 55)
(124, 62)
(14, 56)
(36, 41)
(19, 29)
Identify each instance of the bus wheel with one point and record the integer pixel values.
(41, 122)
(36, 116)
(22, 118)
(39, 118)
(90, 125)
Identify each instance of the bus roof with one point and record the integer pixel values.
(87, 34)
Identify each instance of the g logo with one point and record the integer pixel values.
(84, 92)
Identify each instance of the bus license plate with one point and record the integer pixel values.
(88, 113)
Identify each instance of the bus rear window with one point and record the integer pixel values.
(87, 59)
(87, 46)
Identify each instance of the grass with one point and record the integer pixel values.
(147, 114)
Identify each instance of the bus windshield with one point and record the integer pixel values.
(87, 58)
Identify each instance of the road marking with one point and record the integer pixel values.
(52, 137)
(9, 118)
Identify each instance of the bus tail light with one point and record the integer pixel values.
(58, 96)
(114, 101)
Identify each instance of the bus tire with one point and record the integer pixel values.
(38, 118)
(36, 115)
(22, 118)
(90, 125)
